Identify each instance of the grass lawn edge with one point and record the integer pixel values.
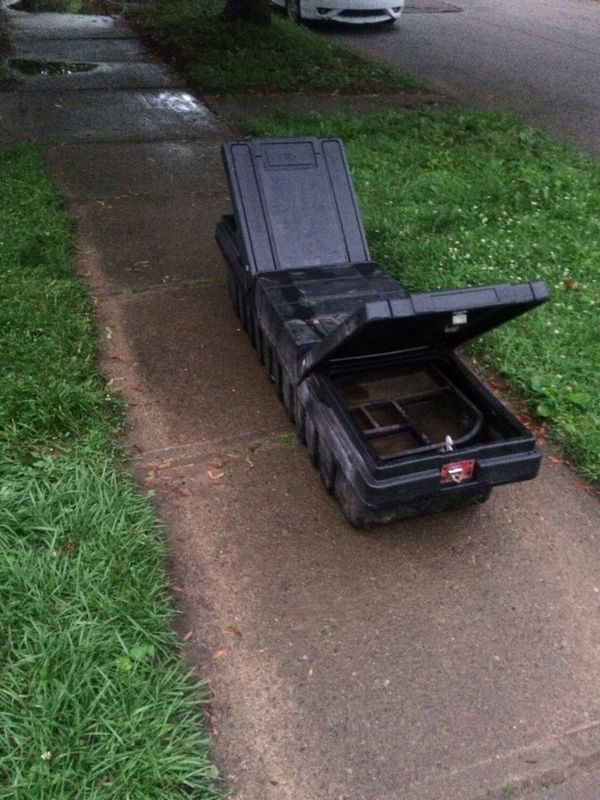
(217, 57)
(96, 698)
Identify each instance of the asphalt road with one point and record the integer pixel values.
(539, 59)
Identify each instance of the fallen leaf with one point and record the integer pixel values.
(150, 478)
(174, 490)
(233, 630)
(570, 284)
(221, 461)
(221, 651)
(555, 460)
(539, 431)
(215, 476)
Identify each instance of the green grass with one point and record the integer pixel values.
(216, 56)
(95, 700)
(453, 198)
(51, 392)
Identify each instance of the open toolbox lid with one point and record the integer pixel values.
(424, 321)
(294, 203)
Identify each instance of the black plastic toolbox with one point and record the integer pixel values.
(396, 423)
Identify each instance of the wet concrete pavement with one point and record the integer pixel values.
(104, 115)
(447, 658)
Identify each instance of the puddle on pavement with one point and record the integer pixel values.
(28, 66)
(102, 7)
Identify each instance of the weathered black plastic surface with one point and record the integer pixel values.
(331, 322)
(298, 309)
(294, 204)
(428, 320)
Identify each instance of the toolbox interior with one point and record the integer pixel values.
(408, 409)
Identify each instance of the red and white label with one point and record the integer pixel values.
(458, 471)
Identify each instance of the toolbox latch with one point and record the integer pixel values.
(458, 471)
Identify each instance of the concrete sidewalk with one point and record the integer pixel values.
(447, 658)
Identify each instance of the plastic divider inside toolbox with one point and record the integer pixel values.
(294, 204)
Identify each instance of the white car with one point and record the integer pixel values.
(353, 12)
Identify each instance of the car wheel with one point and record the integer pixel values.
(292, 9)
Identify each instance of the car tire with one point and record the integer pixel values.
(292, 9)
